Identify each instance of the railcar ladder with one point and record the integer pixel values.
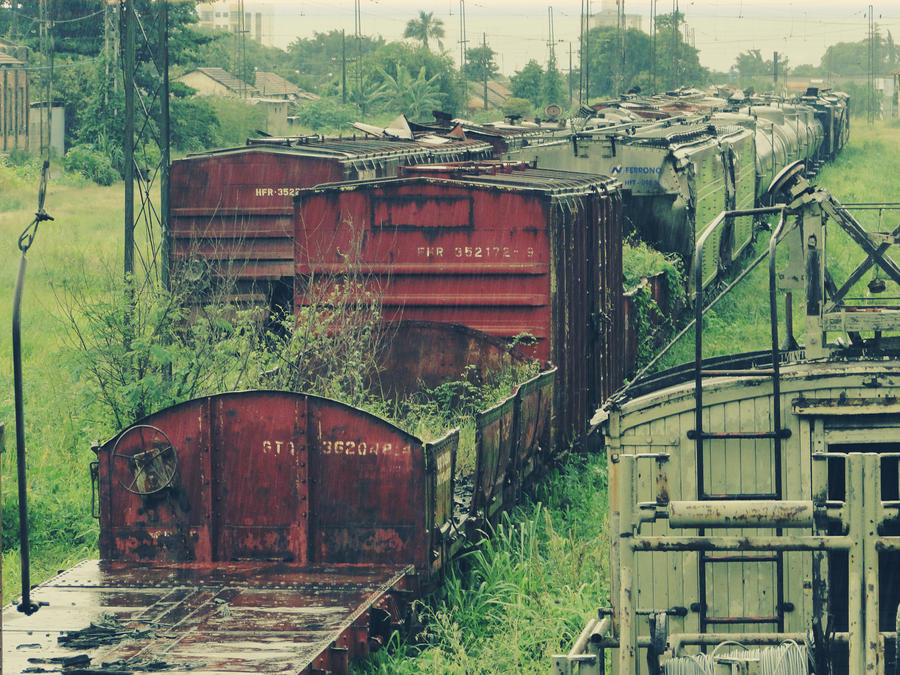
(700, 436)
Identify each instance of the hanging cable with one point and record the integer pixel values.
(26, 239)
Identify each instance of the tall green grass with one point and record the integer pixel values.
(523, 594)
(82, 241)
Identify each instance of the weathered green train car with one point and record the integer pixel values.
(755, 498)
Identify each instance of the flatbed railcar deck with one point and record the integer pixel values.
(206, 618)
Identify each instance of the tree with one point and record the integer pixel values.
(552, 85)
(753, 68)
(426, 26)
(516, 107)
(413, 96)
(677, 63)
(395, 56)
(526, 83)
(480, 66)
(604, 64)
(317, 61)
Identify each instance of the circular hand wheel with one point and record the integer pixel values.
(145, 454)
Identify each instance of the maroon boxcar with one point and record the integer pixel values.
(231, 210)
(500, 248)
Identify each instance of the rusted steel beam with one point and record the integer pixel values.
(758, 543)
(741, 514)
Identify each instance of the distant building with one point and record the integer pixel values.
(217, 82)
(608, 17)
(227, 16)
(272, 85)
(14, 104)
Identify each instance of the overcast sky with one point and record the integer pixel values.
(518, 29)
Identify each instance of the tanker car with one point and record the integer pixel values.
(754, 498)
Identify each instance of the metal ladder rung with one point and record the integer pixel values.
(740, 558)
(704, 435)
(741, 619)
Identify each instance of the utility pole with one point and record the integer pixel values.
(462, 35)
(620, 46)
(586, 49)
(128, 144)
(551, 42)
(163, 48)
(775, 70)
(582, 56)
(571, 99)
(111, 20)
(148, 102)
(870, 71)
(484, 58)
(652, 46)
(357, 17)
(343, 67)
(675, 48)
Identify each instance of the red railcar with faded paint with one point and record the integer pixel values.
(501, 248)
(231, 210)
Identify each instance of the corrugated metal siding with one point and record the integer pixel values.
(233, 209)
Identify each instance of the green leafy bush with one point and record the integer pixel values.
(91, 164)
(326, 114)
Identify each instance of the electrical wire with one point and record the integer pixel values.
(788, 658)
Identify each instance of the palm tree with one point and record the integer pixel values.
(426, 26)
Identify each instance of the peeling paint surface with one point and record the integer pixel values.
(226, 618)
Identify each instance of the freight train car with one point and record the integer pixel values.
(498, 247)
(231, 210)
(274, 532)
(680, 171)
(754, 502)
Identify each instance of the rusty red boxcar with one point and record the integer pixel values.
(501, 248)
(231, 209)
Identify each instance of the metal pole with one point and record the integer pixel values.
(165, 271)
(485, 72)
(343, 67)
(587, 50)
(128, 141)
(26, 606)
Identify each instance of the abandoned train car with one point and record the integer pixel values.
(754, 504)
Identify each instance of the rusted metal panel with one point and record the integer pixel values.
(504, 252)
(367, 488)
(512, 439)
(271, 476)
(233, 208)
(222, 617)
(533, 409)
(419, 355)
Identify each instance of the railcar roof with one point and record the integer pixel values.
(336, 149)
(550, 181)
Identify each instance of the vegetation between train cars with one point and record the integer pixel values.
(59, 428)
